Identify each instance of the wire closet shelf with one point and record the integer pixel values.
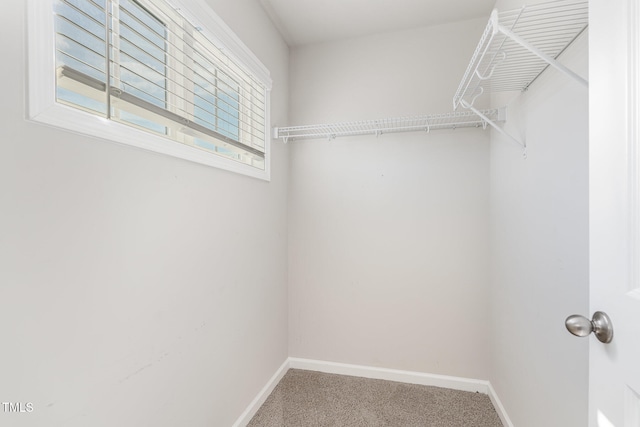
(518, 45)
(514, 49)
(426, 123)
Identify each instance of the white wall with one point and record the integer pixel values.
(136, 289)
(539, 250)
(388, 239)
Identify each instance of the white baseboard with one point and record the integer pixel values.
(253, 407)
(506, 422)
(456, 383)
(409, 377)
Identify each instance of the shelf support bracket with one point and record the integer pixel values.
(549, 60)
(491, 123)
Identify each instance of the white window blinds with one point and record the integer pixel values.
(143, 64)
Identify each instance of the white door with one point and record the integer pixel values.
(614, 209)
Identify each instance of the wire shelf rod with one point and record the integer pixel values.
(424, 123)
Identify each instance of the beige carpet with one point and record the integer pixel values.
(305, 398)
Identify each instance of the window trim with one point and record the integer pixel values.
(42, 106)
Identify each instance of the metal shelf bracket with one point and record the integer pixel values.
(502, 117)
(516, 47)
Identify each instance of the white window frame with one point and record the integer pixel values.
(43, 107)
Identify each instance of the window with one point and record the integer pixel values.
(145, 73)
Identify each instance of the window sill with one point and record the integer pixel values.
(71, 119)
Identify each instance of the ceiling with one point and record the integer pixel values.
(304, 22)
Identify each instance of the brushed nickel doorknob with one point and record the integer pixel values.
(600, 325)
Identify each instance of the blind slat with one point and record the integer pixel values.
(254, 127)
(162, 64)
(256, 100)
